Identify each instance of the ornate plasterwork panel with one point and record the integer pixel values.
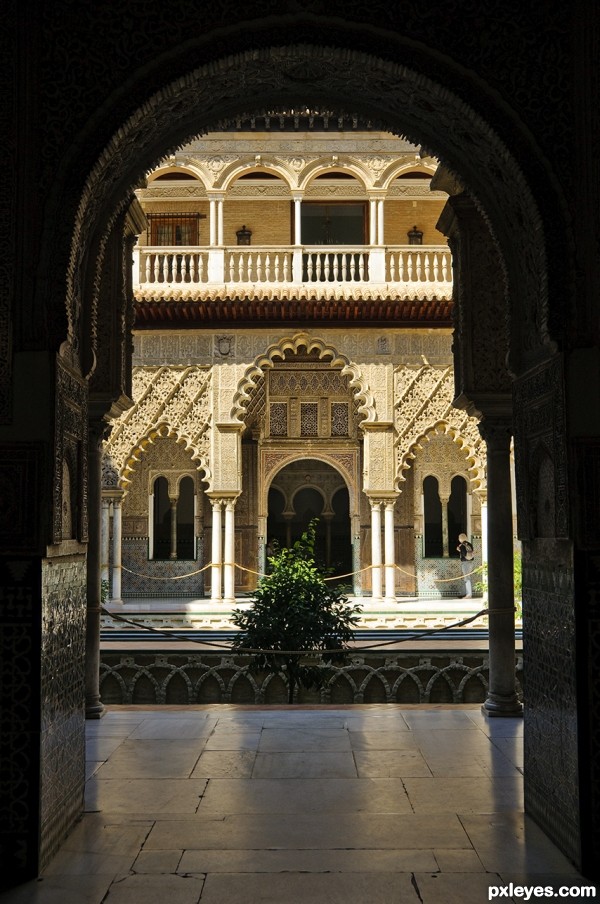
(423, 402)
(326, 351)
(175, 401)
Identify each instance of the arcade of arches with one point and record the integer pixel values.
(323, 368)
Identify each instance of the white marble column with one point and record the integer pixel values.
(212, 222)
(297, 220)
(219, 221)
(105, 541)
(390, 552)
(229, 564)
(372, 221)
(376, 550)
(117, 542)
(380, 221)
(446, 539)
(502, 698)
(215, 572)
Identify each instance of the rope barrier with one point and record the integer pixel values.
(260, 574)
(251, 651)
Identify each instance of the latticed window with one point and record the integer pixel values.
(309, 419)
(174, 228)
(278, 419)
(340, 420)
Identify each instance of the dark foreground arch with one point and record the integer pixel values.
(101, 125)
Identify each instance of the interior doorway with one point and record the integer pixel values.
(312, 490)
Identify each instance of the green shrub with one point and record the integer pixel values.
(296, 609)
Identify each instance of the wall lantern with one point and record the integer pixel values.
(244, 236)
(415, 236)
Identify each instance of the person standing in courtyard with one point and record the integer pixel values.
(465, 551)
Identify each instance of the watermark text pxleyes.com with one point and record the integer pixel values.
(528, 892)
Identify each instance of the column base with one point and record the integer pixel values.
(117, 603)
(497, 705)
(95, 710)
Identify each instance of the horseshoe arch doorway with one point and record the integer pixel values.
(301, 492)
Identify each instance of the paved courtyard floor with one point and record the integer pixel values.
(357, 805)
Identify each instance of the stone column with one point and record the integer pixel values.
(376, 550)
(390, 552)
(105, 541)
(356, 563)
(229, 564)
(117, 541)
(173, 553)
(215, 572)
(502, 697)
(446, 539)
(94, 708)
(212, 222)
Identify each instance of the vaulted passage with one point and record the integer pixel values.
(496, 356)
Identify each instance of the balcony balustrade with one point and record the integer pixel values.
(416, 271)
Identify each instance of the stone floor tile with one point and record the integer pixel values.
(306, 888)
(383, 740)
(512, 843)
(152, 759)
(458, 861)
(454, 888)
(228, 739)
(382, 764)
(158, 862)
(226, 796)
(253, 832)
(156, 729)
(156, 890)
(60, 890)
(107, 835)
(225, 764)
(305, 764)
(90, 863)
(296, 739)
(309, 861)
(99, 748)
(512, 748)
(433, 720)
(465, 795)
(144, 796)
(497, 727)
(480, 763)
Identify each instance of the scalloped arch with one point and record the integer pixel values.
(162, 430)
(362, 392)
(475, 456)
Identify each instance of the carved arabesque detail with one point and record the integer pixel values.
(254, 372)
(172, 401)
(423, 405)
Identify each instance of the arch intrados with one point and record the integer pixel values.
(173, 170)
(233, 172)
(314, 456)
(397, 171)
(405, 102)
(318, 169)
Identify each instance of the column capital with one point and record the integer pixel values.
(497, 432)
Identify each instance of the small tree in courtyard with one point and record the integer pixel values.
(296, 609)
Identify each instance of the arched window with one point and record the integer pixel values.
(433, 541)
(161, 547)
(185, 520)
(457, 512)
